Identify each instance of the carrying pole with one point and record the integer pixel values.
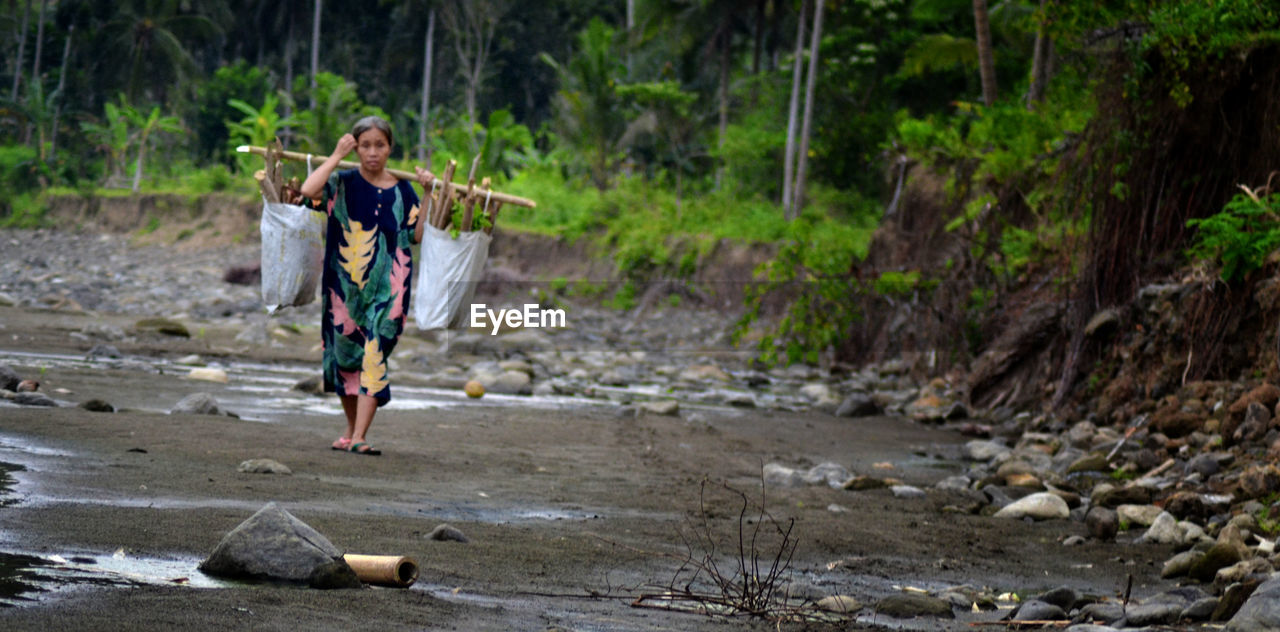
(403, 175)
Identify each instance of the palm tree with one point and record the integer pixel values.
(588, 112)
(153, 36)
(473, 25)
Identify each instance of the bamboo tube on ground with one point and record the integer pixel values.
(403, 175)
(384, 570)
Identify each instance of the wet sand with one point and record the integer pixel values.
(572, 511)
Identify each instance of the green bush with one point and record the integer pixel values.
(1239, 238)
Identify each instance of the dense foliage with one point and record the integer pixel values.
(659, 137)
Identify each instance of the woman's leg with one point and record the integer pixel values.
(350, 407)
(365, 407)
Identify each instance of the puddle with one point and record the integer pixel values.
(25, 577)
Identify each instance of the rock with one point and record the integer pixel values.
(1036, 610)
(196, 404)
(1144, 515)
(932, 407)
(1266, 395)
(857, 405)
(1256, 419)
(27, 386)
(1250, 606)
(782, 476)
(1180, 564)
(668, 407)
(1164, 530)
(34, 399)
(447, 533)
(1106, 611)
(1205, 464)
(863, 483)
(907, 491)
(1259, 481)
(1102, 523)
(313, 385)
(1220, 556)
(103, 351)
(1090, 463)
(208, 374)
(957, 482)
(163, 326)
(1074, 540)
(911, 605)
(1128, 495)
(1039, 506)
(1186, 504)
(8, 379)
(263, 466)
(704, 372)
(839, 603)
(1153, 614)
(1090, 627)
(508, 382)
(273, 545)
(832, 474)
(1237, 572)
(97, 406)
(984, 450)
(1200, 609)
(1062, 597)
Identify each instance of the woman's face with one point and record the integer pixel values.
(373, 148)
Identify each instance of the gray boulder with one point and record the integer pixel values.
(275, 546)
(1153, 614)
(911, 605)
(1261, 611)
(263, 466)
(196, 404)
(8, 379)
(857, 405)
(1036, 610)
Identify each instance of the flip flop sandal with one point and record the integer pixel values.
(342, 443)
(369, 450)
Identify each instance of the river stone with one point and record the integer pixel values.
(1141, 515)
(1153, 614)
(1102, 523)
(857, 405)
(668, 407)
(208, 374)
(782, 476)
(197, 404)
(911, 605)
(1036, 610)
(955, 482)
(701, 372)
(863, 483)
(162, 326)
(840, 603)
(103, 351)
(906, 491)
(98, 406)
(1237, 572)
(984, 450)
(1187, 504)
(1220, 556)
(1105, 611)
(1200, 609)
(1039, 506)
(273, 545)
(8, 378)
(832, 474)
(447, 533)
(1128, 495)
(1180, 564)
(34, 399)
(1259, 481)
(1261, 610)
(1090, 463)
(1062, 597)
(507, 382)
(263, 466)
(313, 385)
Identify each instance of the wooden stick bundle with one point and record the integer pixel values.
(403, 175)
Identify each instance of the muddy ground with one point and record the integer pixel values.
(573, 511)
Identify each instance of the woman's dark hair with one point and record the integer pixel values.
(372, 122)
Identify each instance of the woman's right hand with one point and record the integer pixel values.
(346, 145)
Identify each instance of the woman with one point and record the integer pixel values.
(373, 219)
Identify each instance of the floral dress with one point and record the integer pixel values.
(367, 269)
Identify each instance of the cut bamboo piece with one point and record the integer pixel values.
(403, 175)
(444, 212)
(384, 570)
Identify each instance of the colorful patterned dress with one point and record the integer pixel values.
(367, 269)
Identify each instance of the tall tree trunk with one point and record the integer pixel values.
(290, 44)
(802, 155)
(726, 51)
(57, 93)
(758, 46)
(423, 123)
(137, 167)
(793, 111)
(35, 64)
(315, 51)
(986, 57)
(22, 46)
(1040, 61)
(631, 24)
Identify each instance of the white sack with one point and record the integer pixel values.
(292, 254)
(448, 270)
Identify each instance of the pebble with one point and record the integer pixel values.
(840, 603)
(447, 533)
(263, 466)
(1038, 506)
(208, 375)
(910, 605)
(907, 491)
(664, 407)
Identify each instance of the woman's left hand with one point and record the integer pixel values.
(424, 177)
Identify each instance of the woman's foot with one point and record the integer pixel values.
(342, 443)
(363, 448)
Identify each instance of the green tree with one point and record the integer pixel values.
(148, 129)
(151, 38)
(588, 116)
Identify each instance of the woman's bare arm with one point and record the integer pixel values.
(314, 185)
